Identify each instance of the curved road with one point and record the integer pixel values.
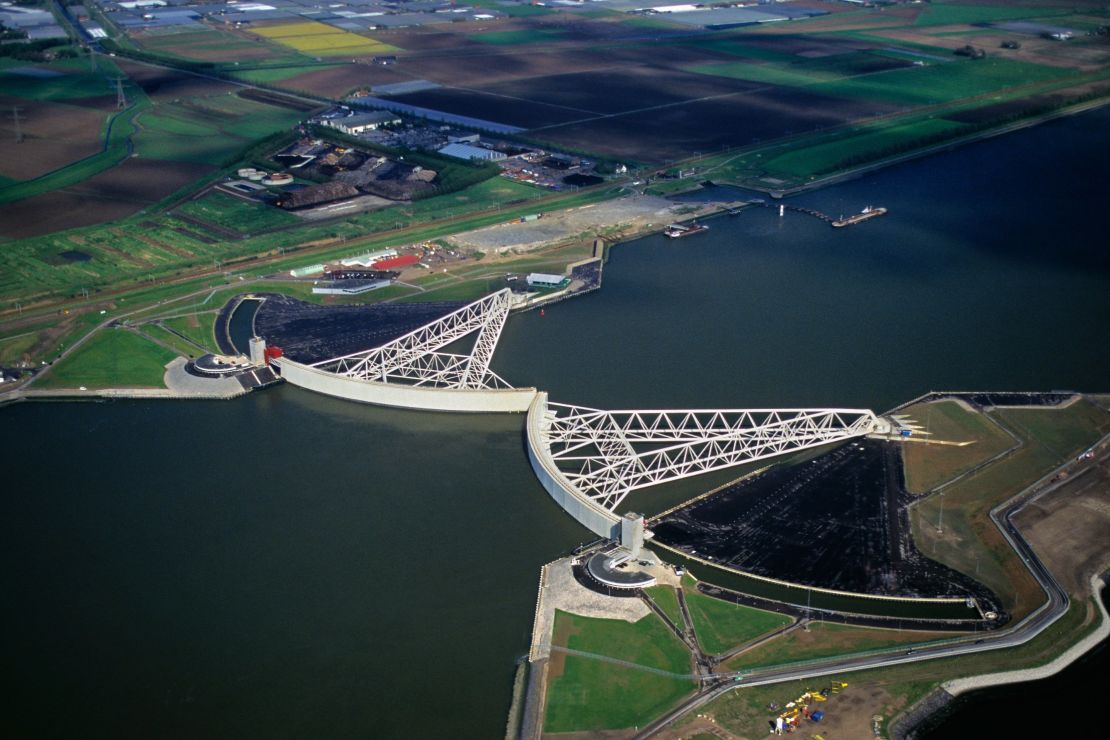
(1019, 634)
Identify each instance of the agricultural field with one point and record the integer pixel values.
(319, 39)
(203, 44)
(180, 126)
(66, 112)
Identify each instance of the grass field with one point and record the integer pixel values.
(947, 14)
(278, 74)
(968, 540)
(665, 598)
(230, 212)
(210, 129)
(111, 358)
(199, 328)
(839, 152)
(586, 694)
(319, 39)
(720, 625)
(169, 339)
(927, 466)
(800, 71)
(822, 640)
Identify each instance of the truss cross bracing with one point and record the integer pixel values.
(605, 455)
(415, 359)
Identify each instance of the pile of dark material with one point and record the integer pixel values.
(836, 521)
(589, 273)
(309, 333)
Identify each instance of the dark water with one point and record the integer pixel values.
(241, 326)
(1035, 709)
(286, 565)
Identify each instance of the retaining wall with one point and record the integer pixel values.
(510, 400)
(589, 514)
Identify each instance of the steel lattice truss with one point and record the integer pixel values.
(606, 455)
(414, 359)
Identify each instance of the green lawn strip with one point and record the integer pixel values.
(176, 343)
(968, 541)
(871, 142)
(587, 694)
(666, 599)
(824, 639)
(234, 213)
(198, 328)
(265, 75)
(929, 465)
(111, 358)
(938, 14)
(720, 625)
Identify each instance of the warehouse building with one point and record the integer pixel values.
(467, 151)
(360, 122)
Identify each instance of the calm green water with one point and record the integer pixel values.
(287, 565)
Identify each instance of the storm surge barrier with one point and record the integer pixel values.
(414, 371)
(590, 460)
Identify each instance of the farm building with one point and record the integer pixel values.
(314, 195)
(466, 151)
(360, 122)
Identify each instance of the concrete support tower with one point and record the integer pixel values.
(258, 351)
(632, 533)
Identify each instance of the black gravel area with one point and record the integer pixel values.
(310, 333)
(836, 521)
(1015, 399)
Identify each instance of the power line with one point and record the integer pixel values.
(18, 129)
(121, 98)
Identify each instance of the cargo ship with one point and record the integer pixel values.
(674, 231)
(863, 215)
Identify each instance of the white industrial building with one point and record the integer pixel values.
(360, 122)
(544, 280)
(466, 151)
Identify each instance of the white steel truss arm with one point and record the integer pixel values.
(606, 455)
(414, 358)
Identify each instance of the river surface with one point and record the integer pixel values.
(289, 565)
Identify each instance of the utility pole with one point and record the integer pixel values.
(18, 129)
(121, 98)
